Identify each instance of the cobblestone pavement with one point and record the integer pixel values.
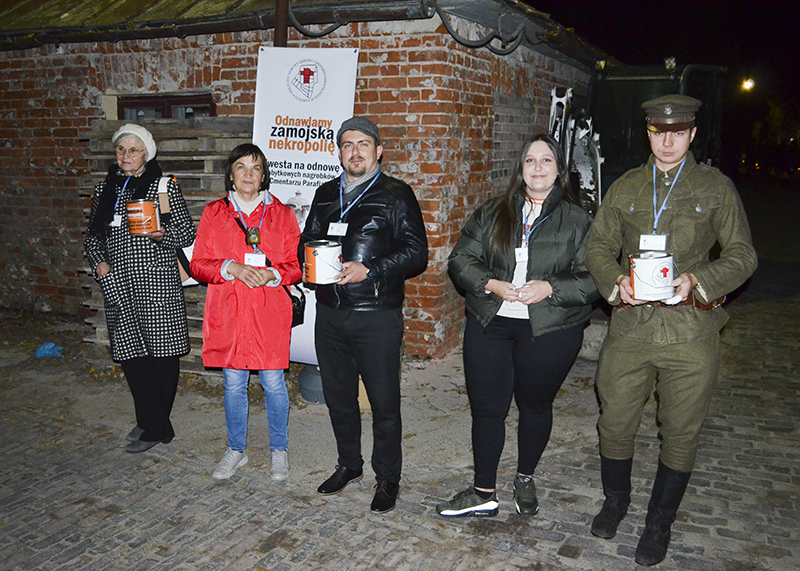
(70, 498)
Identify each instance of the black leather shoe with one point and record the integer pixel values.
(385, 497)
(339, 480)
(141, 445)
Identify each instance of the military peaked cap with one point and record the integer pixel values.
(671, 112)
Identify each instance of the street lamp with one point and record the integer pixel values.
(748, 84)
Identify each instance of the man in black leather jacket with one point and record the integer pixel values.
(359, 322)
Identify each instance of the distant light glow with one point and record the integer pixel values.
(748, 84)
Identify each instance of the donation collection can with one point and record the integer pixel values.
(651, 276)
(323, 262)
(143, 216)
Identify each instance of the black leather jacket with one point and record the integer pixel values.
(385, 232)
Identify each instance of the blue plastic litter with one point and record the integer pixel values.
(48, 349)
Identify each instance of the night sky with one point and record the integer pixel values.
(757, 39)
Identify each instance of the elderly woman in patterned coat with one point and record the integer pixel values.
(138, 274)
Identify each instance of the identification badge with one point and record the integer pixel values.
(521, 254)
(253, 236)
(337, 229)
(117, 222)
(256, 260)
(653, 242)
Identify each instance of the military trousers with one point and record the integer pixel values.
(683, 377)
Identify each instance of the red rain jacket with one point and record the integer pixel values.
(246, 328)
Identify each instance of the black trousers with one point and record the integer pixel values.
(153, 382)
(367, 343)
(504, 360)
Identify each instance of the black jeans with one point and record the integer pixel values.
(153, 382)
(504, 360)
(350, 343)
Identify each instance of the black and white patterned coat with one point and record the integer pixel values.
(144, 304)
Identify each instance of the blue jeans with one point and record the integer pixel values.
(237, 407)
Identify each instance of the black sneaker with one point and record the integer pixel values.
(525, 496)
(469, 503)
(339, 480)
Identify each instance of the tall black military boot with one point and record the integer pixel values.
(616, 476)
(668, 490)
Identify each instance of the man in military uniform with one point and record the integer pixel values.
(676, 206)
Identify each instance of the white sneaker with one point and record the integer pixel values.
(279, 470)
(227, 466)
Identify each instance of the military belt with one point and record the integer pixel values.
(690, 300)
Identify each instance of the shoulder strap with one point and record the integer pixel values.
(163, 206)
(238, 220)
(163, 196)
(241, 225)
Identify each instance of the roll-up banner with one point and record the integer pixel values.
(302, 97)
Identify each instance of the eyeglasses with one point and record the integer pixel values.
(133, 151)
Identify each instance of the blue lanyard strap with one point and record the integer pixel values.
(657, 211)
(120, 194)
(530, 230)
(527, 228)
(263, 212)
(341, 195)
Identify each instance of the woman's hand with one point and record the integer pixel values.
(534, 291)
(250, 276)
(102, 269)
(504, 290)
(155, 236)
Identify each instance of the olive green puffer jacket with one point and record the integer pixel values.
(555, 254)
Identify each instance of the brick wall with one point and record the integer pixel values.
(41, 113)
(451, 119)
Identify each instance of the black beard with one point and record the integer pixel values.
(356, 172)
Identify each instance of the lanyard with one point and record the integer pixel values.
(528, 229)
(120, 194)
(528, 232)
(657, 212)
(263, 212)
(341, 195)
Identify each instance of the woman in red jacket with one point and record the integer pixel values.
(246, 248)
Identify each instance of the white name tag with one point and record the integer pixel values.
(337, 229)
(256, 260)
(117, 220)
(653, 242)
(521, 254)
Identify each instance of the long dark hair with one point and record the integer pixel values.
(246, 150)
(508, 210)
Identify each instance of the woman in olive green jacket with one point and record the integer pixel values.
(528, 298)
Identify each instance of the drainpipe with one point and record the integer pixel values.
(281, 23)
